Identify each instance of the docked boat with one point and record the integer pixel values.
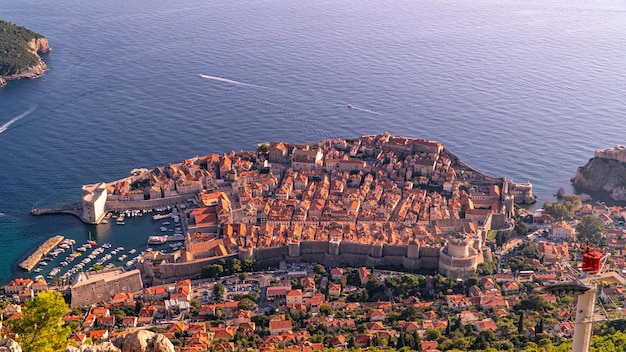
(160, 216)
(163, 229)
(157, 239)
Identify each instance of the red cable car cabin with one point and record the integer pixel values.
(592, 260)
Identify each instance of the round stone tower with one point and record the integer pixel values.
(458, 259)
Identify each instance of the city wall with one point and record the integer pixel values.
(172, 272)
(617, 153)
(118, 205)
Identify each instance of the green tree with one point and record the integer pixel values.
(263, 149)
(319, 269)
(521, 228)
(212, 270)
(40, 328)
(248, 265)
(590, 229)
(246, 304)
(326, 310)
(218, 291)
(539, 327)
(235, 265)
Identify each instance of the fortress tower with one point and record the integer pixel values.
(94, 201)
(458, 258)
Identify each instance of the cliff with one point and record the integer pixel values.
(19, 53)
(603, 174)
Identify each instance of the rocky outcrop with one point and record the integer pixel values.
(36, 46)
(103, 347)
(145, 341)
(138, 341)
(602, 174)
(8, 345)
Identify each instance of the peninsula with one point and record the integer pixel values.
(19, 53)
(372, 200)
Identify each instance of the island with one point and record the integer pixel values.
(606, 171)
(19, 53)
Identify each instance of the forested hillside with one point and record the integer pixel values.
(15, 53)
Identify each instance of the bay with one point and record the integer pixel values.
(526, 90)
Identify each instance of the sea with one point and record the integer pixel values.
(522, 89)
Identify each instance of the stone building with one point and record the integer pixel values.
(94, 200)
(459, 258)
(94, 287)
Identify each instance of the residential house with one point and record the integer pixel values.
(562, 231)
(279, 326)
(294, 297)
(100, 334)
(334, 290)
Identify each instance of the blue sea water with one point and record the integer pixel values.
(522, 89)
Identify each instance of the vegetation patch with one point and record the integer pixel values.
(14, 51)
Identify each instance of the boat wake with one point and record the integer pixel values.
(226, 80)
(354, 107)
(15, 119)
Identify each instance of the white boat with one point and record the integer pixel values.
(104, 221)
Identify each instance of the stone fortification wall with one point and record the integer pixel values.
(429, 257)
(102, 290)
(313, 247)
(116, 205)
(617, 153)
(394, 250)
(355, 248)
(458, 267)
(270, 256)
(350, 254)
(172, 272)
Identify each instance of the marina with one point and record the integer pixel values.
(62, 257)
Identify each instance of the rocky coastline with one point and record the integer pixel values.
(36, 46)
(606, 172)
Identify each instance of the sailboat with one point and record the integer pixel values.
(90, 241)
